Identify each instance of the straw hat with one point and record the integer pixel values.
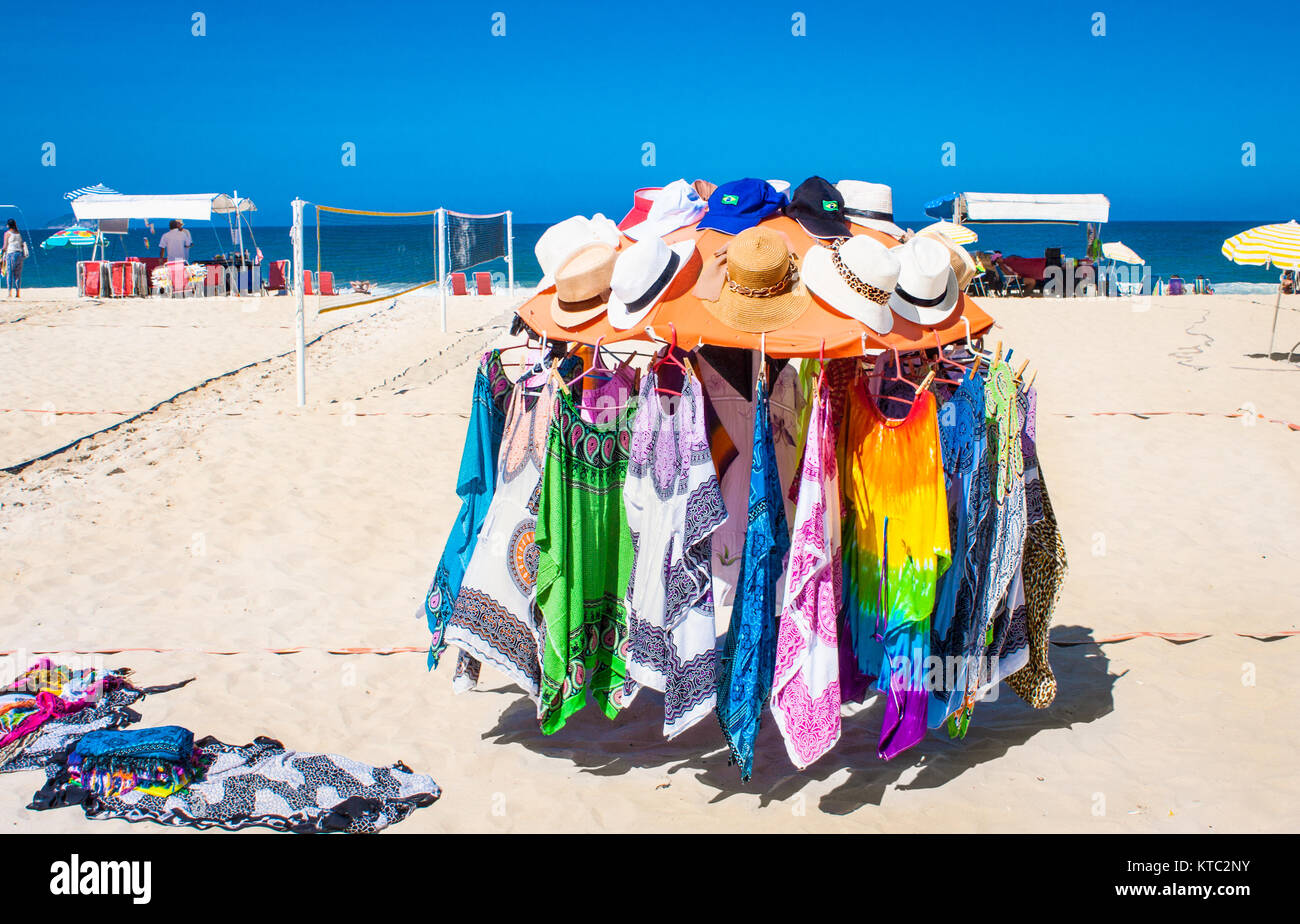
(641, 276)
(962, 263)
(927, 291)
(582, 285)
(762, 291)
(856, 278)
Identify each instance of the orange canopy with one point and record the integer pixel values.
(841, 335)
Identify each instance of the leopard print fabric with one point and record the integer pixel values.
(1045, 567)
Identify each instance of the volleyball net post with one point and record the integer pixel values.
(300, 318)
(442, 265)
(510, 251)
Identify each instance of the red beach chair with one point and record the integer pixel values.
(327, 283)
(306, 283)
(90, 285)
(278, 276)
(458, 284)
(483, 282)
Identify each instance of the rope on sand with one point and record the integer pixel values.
(1178, 638)
(1143, 415)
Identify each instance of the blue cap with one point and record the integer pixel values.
(741, 204)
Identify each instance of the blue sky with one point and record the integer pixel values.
(550, 119)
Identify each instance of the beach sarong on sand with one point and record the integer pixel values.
(48, 691)
(260, 784)
(475, 485)
(156, 761)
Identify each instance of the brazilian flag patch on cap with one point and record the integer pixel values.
(731, 200)
(830, 205)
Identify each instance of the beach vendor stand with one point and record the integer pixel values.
(593, 549)
(239, 272)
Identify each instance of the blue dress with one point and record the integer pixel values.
(475, 485)
(965, 446)
(748, 660)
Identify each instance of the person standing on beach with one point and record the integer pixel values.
(175, 244)
(15, 249)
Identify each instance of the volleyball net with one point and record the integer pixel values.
(362, 257)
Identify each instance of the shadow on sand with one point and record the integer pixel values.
(635, 741)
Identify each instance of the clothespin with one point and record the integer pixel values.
(1030, 383)
(1021, 371)
(925, 382)
(997, 357)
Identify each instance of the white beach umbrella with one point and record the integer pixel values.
(1121, 252)
(1277, 244)
(958, 234)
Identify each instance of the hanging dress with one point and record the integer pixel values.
(1044, 569)
(806, 686)
(604, 399)
(475, 485)
(735, 413)
(748, 659)
(965, 444)
(899, 548)
(494, 619)
(674, 504)
(584, 562)
(1006, 535)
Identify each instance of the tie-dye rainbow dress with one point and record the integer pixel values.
(895, 550)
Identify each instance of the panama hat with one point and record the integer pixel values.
(582, 285)
(561, 241)
(741, 204)
(926, 291)
(819, 209)
(642, 199)
(870, 205)
(704, 188)
(675, 206)
(762, 290)
(642, 274)
(856, 278)
(961, 261)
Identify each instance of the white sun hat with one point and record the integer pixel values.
(856, 277)
(642, 275)
(870, 205)
(560, 242)
(926, 291)
(675, 206)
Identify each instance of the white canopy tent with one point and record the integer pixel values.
(1048, 208)
(185, 206)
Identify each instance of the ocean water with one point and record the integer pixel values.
(397, 256)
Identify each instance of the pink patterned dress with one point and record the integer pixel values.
(806, 686)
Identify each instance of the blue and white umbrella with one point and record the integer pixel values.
(98, 188)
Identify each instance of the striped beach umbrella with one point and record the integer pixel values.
(98, 188)
(70, 237)
(1277, 244)
(958, 234)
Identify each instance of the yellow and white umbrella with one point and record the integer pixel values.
(1277, 244)
(958, 234)
(1121, 253)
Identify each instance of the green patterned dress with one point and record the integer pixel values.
(585, 560)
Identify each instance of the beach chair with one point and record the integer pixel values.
(458, 284)
(327, 283)
(177, 278)
(306, 283)
(1008, 282)
(214, 282)
(483, 283)
(92, 276)
(278, 276)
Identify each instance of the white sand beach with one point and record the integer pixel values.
(226, 519)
